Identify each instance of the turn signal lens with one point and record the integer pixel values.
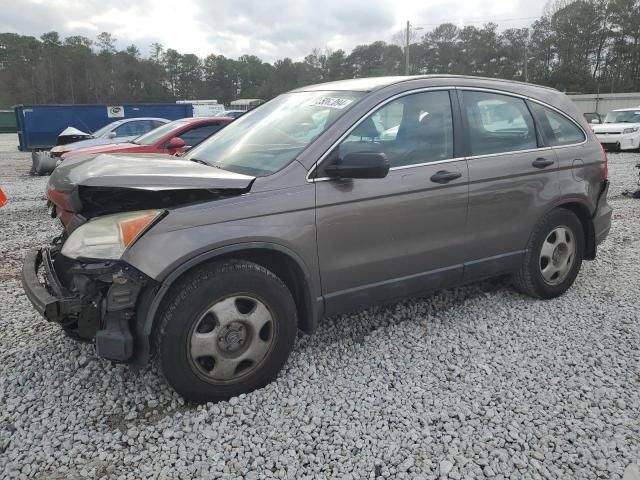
(130, 229)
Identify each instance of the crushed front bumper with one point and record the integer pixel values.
(49, 298)
(90, 300)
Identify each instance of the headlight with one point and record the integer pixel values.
(58, 149)
(109, 236)
(630, 130)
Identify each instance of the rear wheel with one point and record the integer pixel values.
(554, 256)
(228, 328)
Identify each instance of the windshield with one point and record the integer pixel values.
(159, 133)
(101, 131)
(630, 116)
(266, 139)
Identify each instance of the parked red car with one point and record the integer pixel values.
(173, 137)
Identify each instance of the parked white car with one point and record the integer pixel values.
(620, 130)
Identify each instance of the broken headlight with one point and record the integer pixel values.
(109, 236)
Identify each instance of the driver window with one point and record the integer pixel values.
(413, 129)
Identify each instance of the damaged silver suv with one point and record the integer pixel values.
(324, 200)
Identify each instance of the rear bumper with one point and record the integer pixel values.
(602, 215)
(43, 163)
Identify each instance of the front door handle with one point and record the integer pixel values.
(444, 176)
(542, 163)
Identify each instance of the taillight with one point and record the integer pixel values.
(606, 162)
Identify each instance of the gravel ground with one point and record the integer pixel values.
(470, 383)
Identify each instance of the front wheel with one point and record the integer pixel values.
(553, 257)
(228, 328)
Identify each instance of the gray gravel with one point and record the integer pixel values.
(470, 383)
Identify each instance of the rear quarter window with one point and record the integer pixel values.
(557, 129)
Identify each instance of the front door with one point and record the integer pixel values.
(381, 239)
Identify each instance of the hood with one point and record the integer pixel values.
(144, 172)
(119, 183)
(70, 135)
(613, 127)
(106, 148)
(73, 132)
(93, 142)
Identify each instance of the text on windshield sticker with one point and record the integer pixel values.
(331, 102)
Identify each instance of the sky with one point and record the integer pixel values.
(270, 29)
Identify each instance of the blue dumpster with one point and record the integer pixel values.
(39, 125)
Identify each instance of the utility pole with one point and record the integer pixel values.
(526, 61)
(526, 57)
(406, 50)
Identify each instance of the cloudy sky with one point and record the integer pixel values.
(271, 29)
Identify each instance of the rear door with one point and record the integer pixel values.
(513, 179)
(380, 239)
(576, 157)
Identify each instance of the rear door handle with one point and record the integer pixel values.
(542, 163)
(444, 176)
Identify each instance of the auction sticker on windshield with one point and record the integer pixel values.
(331, 102)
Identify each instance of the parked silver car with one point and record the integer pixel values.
(120, 131)
(302, 208)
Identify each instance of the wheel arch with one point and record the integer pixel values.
(280, 260)
(581, 211)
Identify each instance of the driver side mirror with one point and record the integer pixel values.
(359, 165)
(112, 134)
(595, 121)
(175, 143)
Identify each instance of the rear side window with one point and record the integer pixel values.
(498, 123)
(558, 130)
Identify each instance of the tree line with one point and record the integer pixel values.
(583, 46)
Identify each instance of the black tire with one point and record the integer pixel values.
(182, 313)
(529, 279)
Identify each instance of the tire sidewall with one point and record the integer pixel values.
(560, 217)
(187, 308)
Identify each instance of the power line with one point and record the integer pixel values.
(498, 21)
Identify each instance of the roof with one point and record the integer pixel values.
(202, 119)
(246, 101)
(130, 119)
(375, 83)
(630, 109)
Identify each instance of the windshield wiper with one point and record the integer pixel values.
(200, 161)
